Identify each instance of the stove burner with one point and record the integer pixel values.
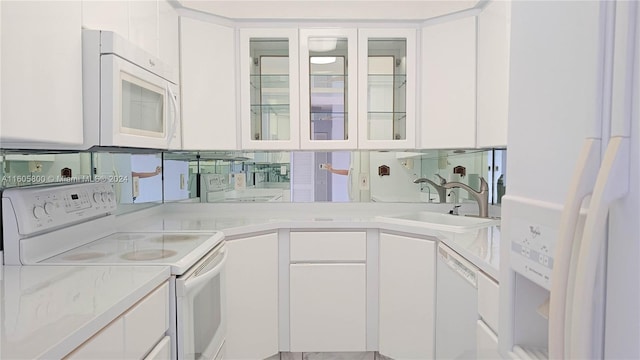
(128, 237)
(84, 256)
(174, 238)
(151, 254)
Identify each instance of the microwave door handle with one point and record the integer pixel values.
(198, 278)
(174, 123)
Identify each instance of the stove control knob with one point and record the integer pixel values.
(97, 197)
(38, 212)
(49, 208)
(104, 197)
(110, 195)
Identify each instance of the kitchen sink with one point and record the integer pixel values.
(438, 221)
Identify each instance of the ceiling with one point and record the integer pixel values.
(329, 9)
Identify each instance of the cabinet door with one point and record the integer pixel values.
(41, 91)
(493, 73)
(162, 351)
(168, 34)
(407, 297)
(208, 85)
(328, 89)
(269, 89)
(486, 342)
(387, 87)
(106, 15)
(143, 25)
(448, 85)
(328, 307)
(252, 297)
(146, 323)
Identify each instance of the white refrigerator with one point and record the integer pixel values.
(570, 252)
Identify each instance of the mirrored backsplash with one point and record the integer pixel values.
(140, 179)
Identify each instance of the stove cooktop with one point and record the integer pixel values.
(177, 250)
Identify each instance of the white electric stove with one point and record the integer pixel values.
(74, 224)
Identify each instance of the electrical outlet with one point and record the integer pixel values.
(363, 181)
(35, 166)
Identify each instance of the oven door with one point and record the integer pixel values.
(137, 107)
(201, 307)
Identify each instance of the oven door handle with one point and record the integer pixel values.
(204, 273)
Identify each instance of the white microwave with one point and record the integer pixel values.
(130, 98)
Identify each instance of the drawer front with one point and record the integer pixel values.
(108, 343)
(146, 323)
(328, 246)
(488, 301)
(487, 342)
(162, 351)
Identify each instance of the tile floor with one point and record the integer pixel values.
(329, 356)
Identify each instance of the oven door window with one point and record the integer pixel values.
(207, 324)
(201, 310)
(143, 107)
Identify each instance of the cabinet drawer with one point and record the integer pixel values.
(146, 323)
(486, 342)
(488, 301)
(106, 344)
(329, 246)
(162, 351)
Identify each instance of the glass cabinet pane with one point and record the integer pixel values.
(270, 98)
(386, 89)
(328, 88)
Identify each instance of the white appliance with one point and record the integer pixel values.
(456, 306)
(74, 225)
(130, 98)
(570, 274)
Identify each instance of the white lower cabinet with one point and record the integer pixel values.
(252, 297)
(328, 307)
(162, 351)
(488, 311)
(133, 335)
(486, 342)
(407, 297)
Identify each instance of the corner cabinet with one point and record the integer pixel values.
(269, 89)
(328, 89)
(387, 88)
(252, 297)
(207, 67)
(407, 297)
(448, 106)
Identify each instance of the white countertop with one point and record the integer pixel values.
(48, 311)
(481, 247)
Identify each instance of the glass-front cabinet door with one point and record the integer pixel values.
(328, 89)
(269, 86)
(387, 87)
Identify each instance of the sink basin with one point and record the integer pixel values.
(438, 221)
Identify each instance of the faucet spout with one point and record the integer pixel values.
(439, 188)
(481, 197)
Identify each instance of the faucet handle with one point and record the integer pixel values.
(442, 180)
(484, 186)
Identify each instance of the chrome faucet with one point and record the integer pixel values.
(481, 197)
(439, 187)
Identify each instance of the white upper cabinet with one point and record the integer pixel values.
(208, 85)
(106, 15)
(328, 89)
(387, 87)
(494, 25)
(41, 89)
(168, 34)
(143, 25)
(269, 112)
(448, 106)
(151, 25)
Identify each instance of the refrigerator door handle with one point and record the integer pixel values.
(612, 184)
(580, 187)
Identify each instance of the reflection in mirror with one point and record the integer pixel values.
(22, 169)
(341, 176)
(137, 178)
